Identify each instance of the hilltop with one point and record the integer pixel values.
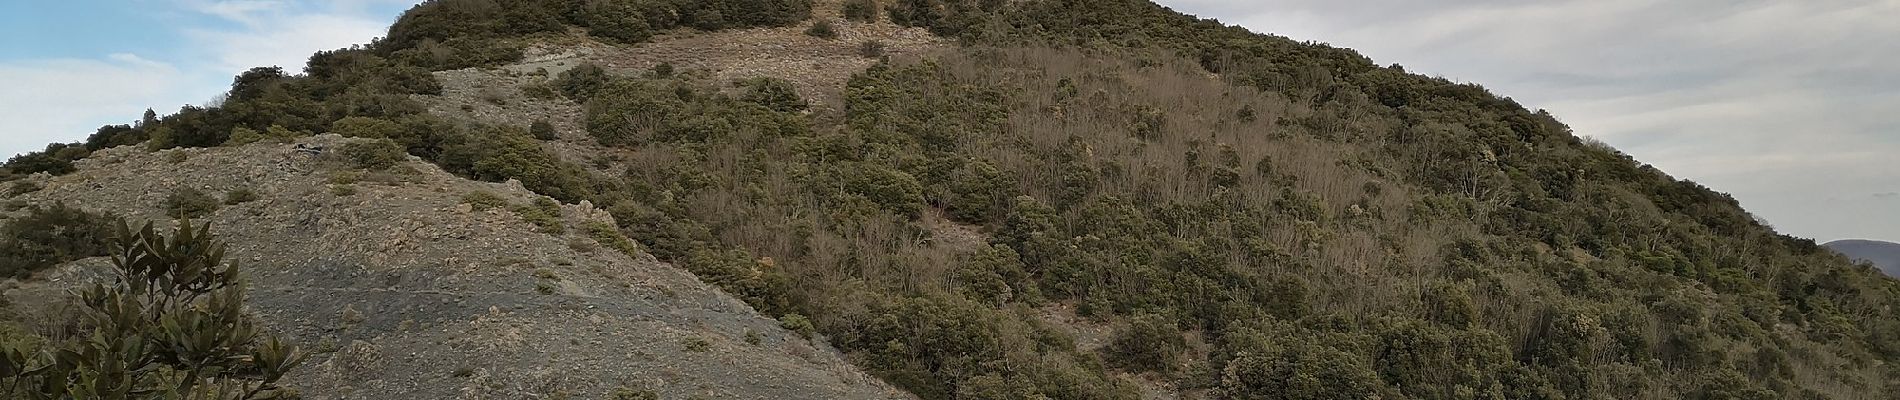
(1883, 255)
(966, 199)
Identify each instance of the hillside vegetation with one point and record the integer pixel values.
(1245, 216)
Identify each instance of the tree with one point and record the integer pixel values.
(173, 326)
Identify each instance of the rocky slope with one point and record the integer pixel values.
(408, 291)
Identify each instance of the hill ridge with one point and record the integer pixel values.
(1214, 205)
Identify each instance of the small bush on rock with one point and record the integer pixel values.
(374, 155)
(822, 29)
(190, 203)
(860, 10)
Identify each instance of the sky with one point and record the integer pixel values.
(1793, 107)
(69, 67)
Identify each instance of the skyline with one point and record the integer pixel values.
(1787, 117)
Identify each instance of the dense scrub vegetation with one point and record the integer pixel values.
(1307, 225)
(47, 236)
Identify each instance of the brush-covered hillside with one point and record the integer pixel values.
(983, 199)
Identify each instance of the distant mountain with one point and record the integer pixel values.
(1884, 255)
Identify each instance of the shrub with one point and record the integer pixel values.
(1291, 367)
(625, 393)
(239, 196)
(891, 189)
(545, 214)
(979, 193)
(609, 235)
(822, 29)
(773, 93)
(275, 134)
(697, 344)
(497, 154)
(797, 324)
(492, 95)
(871, 49)
(582, 82)
(173, 326)
(1449, 305)
(49, 236)
(1150, 343)
(56, 159)
(542, 130)
(483, 200)
(374, 155)
(540, 90)
(860, 10)
(190, 203)
(632, 112)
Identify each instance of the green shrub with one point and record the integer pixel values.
(860, 10)
(542, 130)
(696, 344)
(773, 93)
(56, 159)
(540, 90)
(583, 81)
(374, 155)
(545, 214)
(822, 29)
(275, 134)
(1450, 305)
(49, 236)
(497, 154)
(173, 326)
(1150, 343)
(625, 393)
(190, 203)
(979, 193)
(483, 200)
(609, 235)
(632, 112)
(1282, 366)
(797, 324)
(239, 196)
(871, 49)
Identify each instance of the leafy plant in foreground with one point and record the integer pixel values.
(173, 326)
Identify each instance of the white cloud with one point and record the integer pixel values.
(63, 100)
(242, 11)
(282, 33)
(288, 43)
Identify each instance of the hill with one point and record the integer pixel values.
(980, 199)
(1884, 255)
(407, 281)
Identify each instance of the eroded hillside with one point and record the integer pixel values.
(410, 282)
(1064, 199)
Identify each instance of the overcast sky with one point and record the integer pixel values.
(1792, 106)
